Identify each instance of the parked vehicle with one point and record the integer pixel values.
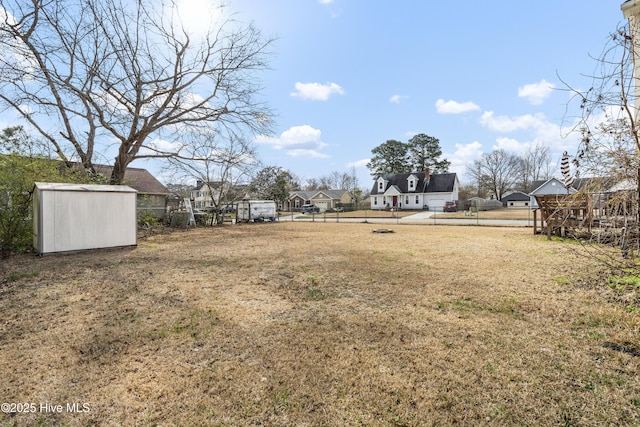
(450, 207)
(310, 209)
(256, 211)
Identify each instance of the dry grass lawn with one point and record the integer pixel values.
(504, 213)
(318, 324)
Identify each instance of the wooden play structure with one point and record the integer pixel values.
(600, 217)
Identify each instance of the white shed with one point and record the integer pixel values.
(74, 217)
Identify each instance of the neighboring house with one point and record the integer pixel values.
(595, 186)
(516, 199)
(201, 196)
(330, 199)
(297, 199)
(323, 199)
(550, 187)
(415, 190)
(152, 195)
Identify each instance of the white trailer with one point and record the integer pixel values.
(256, 211)
(75, 217)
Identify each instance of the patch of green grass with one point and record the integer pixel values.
(18, 276)
(314, 294)
(561, 281)
(198, 325)
(622, 282)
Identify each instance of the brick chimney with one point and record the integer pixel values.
(427, 176)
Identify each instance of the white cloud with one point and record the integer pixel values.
(306, 153)
(397, 99)
(536, 93)
(297, 141)
(358, 163)
(325, 1)
(463, 156)
(511, 124)
(511, 145)
(316, 91)
(453, 107)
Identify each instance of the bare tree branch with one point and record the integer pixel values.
(101, 70)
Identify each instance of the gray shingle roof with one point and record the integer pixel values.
(136, 178)
(438, 183)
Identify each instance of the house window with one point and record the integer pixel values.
(526, 203)
(375, 201)
(417, 200)
(411, 185)
(406, 200)
(380, 186)
(510, 203)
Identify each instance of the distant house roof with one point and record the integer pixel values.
(211, 184)
(624, 185)
(138, 179)
(334, 194)
(308, 195)
(592, 184)
(438, 183)
(516, 196)
(550, 187)
(304, 195)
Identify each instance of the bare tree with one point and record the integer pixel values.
(496, 172)
(535, 166)
(608, 121)
(311, 184)
(608, 124)
(224, 166)
(86, 72)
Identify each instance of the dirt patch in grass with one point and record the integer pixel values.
(318, 324)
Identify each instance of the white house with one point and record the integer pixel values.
(415, 190)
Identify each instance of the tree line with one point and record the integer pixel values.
(497, 173)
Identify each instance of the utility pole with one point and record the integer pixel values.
(631, 11)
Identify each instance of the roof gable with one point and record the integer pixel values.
(552, 186)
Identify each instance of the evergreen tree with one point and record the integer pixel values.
(425, 152)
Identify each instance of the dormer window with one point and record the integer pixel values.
(411, 182)
(380, 185)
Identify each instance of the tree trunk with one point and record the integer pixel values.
(119, 168)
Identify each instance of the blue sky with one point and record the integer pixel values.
(347, 75)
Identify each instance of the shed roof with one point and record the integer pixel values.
(57, 186)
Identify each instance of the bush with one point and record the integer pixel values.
(21, 165)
